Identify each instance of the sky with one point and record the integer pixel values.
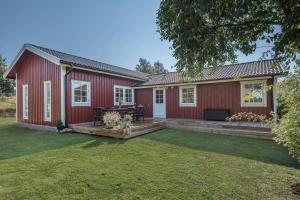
(117, 32)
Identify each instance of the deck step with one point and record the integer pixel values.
(142, 132)
(218, 124)
(225, 131)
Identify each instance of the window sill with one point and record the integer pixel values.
(187, 105)
(253, 105)
(80, 104)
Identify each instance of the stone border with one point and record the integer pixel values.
(36, 127)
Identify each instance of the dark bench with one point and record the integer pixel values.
(216, 114)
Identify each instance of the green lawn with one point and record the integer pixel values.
(168, 164)
(7, 103)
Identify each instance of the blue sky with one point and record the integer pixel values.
(116, 32)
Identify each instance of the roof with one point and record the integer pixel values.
(241, 70)
(64, 58)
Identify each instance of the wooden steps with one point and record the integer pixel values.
(221, 128)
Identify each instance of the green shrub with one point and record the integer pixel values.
(288, 129)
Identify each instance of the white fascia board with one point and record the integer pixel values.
(34, 50)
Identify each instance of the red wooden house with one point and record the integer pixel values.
(52, 86)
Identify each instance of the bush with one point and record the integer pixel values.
(248, 117)
(111, 119)
(288, 129)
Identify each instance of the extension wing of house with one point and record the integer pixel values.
(52, 86)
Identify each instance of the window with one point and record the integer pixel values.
(187, 96)
(25, 101)
(124, 95)
(159, 96)
(81, 93)
(253, 94)
(47, 100)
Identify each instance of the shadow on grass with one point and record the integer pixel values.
(255, 149)
(16, 142)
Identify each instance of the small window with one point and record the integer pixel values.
(159, 96)
(253, 94)
(47, 100)
(124, 95)
(25, 101)
(81, 93)
(187, 96)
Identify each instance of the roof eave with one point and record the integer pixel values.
(208, 81)
(88, 68)
(34, 50)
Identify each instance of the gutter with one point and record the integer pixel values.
(66, 99)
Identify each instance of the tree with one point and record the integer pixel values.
(158, 68)
(6, 86)
(209, 33)
(288, 130)
(144, 66)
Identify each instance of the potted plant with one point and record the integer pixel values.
(120, 102)
(60, 125)
(126, 123)
(111, 119)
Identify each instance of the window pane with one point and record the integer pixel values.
(253, 93)
(128, 95)
(187, 95)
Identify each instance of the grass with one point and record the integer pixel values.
(7, 102)
(168, 164)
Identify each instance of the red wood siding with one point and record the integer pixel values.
(102, 89)
(34, 70)
(145, 97)
(218, 95)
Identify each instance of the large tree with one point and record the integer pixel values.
(159, 68)
(209, 33)
(146, 67)
(6, 86)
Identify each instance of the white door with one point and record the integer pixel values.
(159, 103)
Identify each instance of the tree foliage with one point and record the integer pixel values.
(288, 130)
(158, 68)
(209, 33)
(6, 86)
(146, 67)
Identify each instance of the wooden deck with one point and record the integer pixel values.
(137, 129)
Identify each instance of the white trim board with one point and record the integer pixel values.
(181, 104)
(62, 94)
(253, 104)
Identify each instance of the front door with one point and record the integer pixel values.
(159, 103)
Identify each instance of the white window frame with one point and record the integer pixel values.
(124, 96)
(253, 104)
(25, 86)
(181, 104)
(46, 118)
(88, 83)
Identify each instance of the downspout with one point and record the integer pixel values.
(66, 99)
(275, 86)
